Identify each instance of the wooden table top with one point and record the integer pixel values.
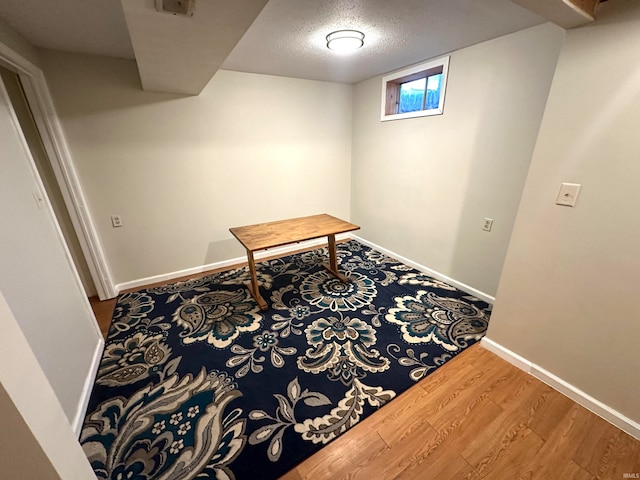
(283, 232)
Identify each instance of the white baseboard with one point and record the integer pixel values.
(88, 387)
(587, 401)
(225, 263)
(511, 357)
(297, 246)
(454, 283)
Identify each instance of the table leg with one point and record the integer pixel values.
(253, 288)
(333, 259)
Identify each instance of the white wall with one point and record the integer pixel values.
(422, 187)
(569, 296)
(37, 277)
(36, 438)
(182, 170)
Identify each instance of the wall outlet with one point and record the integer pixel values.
(568, 194)
(488, 223)
(116, 221)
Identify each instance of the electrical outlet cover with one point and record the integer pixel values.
(568, 194)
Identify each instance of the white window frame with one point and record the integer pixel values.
(392, 81)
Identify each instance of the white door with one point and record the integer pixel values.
(37, 276)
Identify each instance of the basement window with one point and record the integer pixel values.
(416, 91)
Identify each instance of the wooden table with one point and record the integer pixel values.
(274, 234)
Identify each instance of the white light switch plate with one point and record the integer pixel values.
(568, 194)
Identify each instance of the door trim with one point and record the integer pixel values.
(55, 143)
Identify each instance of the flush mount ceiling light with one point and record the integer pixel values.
(345, 40)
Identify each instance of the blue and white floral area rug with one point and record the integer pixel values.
(197, 382)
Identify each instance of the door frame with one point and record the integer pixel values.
(55, 143)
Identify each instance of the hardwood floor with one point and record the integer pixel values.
(476, 417)
(103, 312)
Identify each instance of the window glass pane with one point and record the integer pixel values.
(434, 82)
(416, 91)
(412, 95)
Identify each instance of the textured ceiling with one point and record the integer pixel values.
(288, 37)
(84, 26)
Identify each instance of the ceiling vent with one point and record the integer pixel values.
(183, 8)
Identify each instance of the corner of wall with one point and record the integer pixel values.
(12, 41)
(574, 393)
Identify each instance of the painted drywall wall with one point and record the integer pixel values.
(36, 273)
(182, 170)
(17, 439)
(422, 187)
(36, 439)
(568, 298)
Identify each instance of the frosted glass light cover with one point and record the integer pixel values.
(345, 40)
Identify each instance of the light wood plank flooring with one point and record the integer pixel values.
(476, 417)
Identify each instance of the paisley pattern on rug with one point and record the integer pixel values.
(447, 322)
(217, 317)
(168, 430)
(197, 382)
(132, 359)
